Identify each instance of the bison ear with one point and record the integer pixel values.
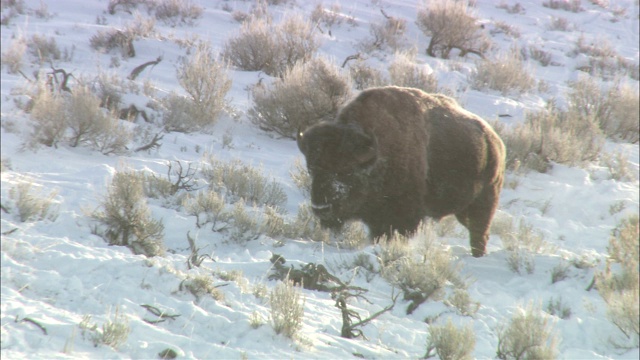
(365, 147)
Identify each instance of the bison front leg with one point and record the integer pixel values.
(477, 219)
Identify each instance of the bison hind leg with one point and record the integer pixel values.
(477, 219)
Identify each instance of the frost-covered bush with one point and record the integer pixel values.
(449, 342)
(365, 76)
(127, 219)
(241, 181)
(567, 5)
(175, 12)
(506, 73)
(114, 332)
(451, 25)
(44, 49)
(206, 82)
(619, 283)
(272, 48)
(32, 206)
(387, 33)
(207, 207)
(527, 335)
(616, 109)
(106, 40)
(12, 58)
(551, 135)
(89, 124)
(307, 93)
(48, 115)
(403, 71)
(521, 245)
(287, 308)
(422, 273)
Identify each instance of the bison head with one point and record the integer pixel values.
(340, 159)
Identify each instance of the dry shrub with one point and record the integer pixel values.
(12, 58)
(245, 226)
(126, 217)
(43, 49)
(387, 33)
(122, 39)
(365, 76)
(307, 93)
(541, 56)
(327, 16)
(11, 9)
(506, 73)
(272, 48)
(423, 272)
(517, 8)
(559, 24)
(241, 181)
(76, 118)
(175, 12)
(301, 177)
(207, 207)
(620, 288)
(616, 109)
(451, 25)
(603, 60)
(114, 332)
(202, 285)
(567, 5)
(307, 226)
(126, 5)
(527, 335)
(48, 114)
(403, 71)
(287, 308)
(89, 124)
(32, 206)
(449, 342)
(504, 28)
(462, 303)
(551, 135)
(205, 80)
(558, 308)
(521, 245)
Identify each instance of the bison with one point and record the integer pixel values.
(394, 156)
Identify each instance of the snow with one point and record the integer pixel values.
(56, 271)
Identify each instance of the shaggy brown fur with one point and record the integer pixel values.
(396, 155)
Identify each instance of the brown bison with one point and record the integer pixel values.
(394, 156)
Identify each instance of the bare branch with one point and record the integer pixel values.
(349, 58)
(184, 179)
(153, 144)
(135, 72)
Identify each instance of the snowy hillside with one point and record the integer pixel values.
(65, 290)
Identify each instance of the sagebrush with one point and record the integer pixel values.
(449, 342)
(528, 334)
(307, 93)
(620, 288)
(206, 82)
(126, 217)
(451, 25)
(287, 308)
(272, 48)
(32, 205)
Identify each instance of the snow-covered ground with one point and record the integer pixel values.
(56, 272)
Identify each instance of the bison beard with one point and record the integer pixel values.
(394, 156)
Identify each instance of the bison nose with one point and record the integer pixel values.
(321, 209)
